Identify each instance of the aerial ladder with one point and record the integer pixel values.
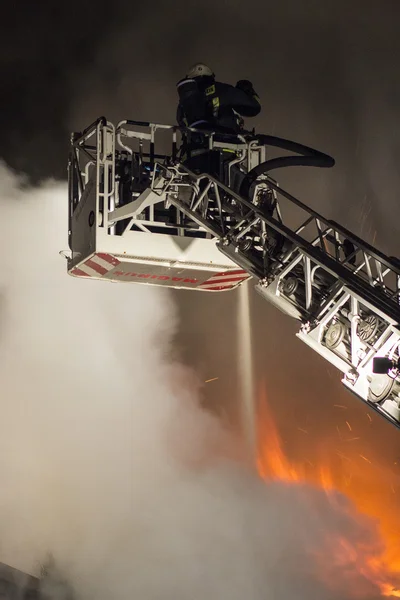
(138, 214)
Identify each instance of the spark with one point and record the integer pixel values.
(341, 455)
(338, 430)
(392, 488)
(303, 430)
(349, 426)
(340, 406)
(366, 459)
(213, 379)
(369, 417)
(353, 439)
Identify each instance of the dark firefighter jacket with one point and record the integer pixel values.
(209, 104)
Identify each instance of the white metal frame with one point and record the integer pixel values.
(311, 268)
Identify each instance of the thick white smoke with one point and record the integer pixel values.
(107, 462)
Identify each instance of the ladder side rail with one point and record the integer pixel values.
(325, 261)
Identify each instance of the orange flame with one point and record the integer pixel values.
(379, 565)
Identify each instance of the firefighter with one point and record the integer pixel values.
(205, 103)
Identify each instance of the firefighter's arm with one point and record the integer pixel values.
(187, 88)
(241, 98)
(188, 100)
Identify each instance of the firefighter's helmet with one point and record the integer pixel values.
(199, 70)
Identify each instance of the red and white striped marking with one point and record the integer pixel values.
(98, 265)
(224, 281)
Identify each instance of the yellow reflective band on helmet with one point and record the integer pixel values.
(210, 90)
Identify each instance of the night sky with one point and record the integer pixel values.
(327, 75)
